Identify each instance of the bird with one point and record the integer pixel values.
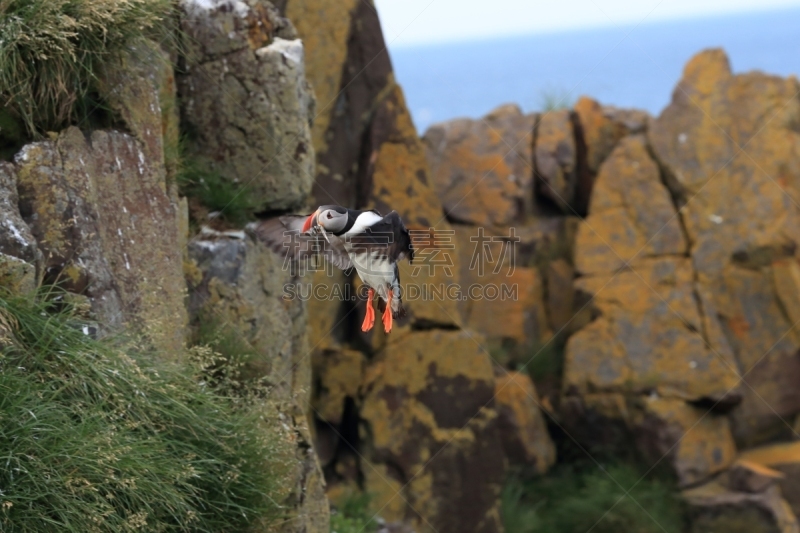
(371, 243)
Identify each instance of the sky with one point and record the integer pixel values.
(415, 22)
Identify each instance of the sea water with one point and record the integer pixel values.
(627, 66)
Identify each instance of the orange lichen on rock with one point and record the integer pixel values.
(400, 181)
(482, 169)
(600, 132)
(632, 215)
(648, 337)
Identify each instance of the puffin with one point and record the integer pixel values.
(371, 243)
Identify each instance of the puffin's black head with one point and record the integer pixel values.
(332, 218)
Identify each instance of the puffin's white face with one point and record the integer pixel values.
(332, 221)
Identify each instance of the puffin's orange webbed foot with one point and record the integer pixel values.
(369, 317)
(387, 314)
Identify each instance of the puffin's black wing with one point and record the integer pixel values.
(284, 236)
(388, 237)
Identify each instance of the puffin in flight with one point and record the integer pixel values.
(366, 240)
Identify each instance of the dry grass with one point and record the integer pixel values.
(50, 52)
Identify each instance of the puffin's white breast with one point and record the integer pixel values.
(375, 271)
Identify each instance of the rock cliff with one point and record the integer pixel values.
(596, 274)
(675, 295)
(98, 210)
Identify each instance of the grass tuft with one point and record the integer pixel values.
(97, 439)
(554, 100)
(519, 516)
(223, 198)
(227, 358)
(50, 52)
(353, 515)
(546, 359)
(572, 499)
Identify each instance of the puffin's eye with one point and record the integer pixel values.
(329, 215)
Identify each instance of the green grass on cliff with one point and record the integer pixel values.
(95, 438)
(223, 198)
(354, 515)
(572, 499)
(51, 50)
(555, 100)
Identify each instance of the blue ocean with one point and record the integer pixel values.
(626, 66)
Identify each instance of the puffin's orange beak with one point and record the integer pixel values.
(310, 221)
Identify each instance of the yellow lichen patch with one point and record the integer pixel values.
(735, 205)
(16, 275)
(429, 291)
(430, 392)
(390, 427)
(387, 493)
(424, 356)
(755, 314)
(340, 375)
(424, 501)
(759, 468)
(786, 277)
(774, 455)
(524, 433)
(706, 69)
(35, 174)
(397, 183)
(324, 26)
(192, 273)
(509, 306)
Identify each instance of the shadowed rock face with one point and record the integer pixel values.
(246, 101)
(714, 508)
(694, 443)
(523, 430)
(555, 157)
(346, 108)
